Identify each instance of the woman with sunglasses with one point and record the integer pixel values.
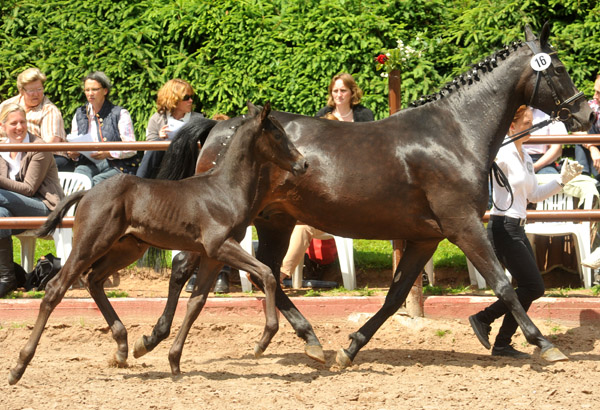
(100, 120)
(174, 105)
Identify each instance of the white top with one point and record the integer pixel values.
(125, 126)
(523, 182)
(555, 128)
(14, 164)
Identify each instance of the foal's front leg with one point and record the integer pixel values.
(184, 265)
(207, 273)
(232, 254)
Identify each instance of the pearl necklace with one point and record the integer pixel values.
(344, 115)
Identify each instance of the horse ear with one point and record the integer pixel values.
(266, 111)
(529, 36)
(252, 109)
(544, 34)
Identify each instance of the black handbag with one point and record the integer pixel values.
(45, 269)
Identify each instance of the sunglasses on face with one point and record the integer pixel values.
(187, 97)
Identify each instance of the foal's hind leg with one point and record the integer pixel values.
(410, 266)
(55, 291)
(184, 265)
(121, 255)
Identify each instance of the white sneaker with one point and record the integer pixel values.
(592, 261)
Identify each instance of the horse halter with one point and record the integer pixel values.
(563, 113)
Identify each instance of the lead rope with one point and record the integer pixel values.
(502, 180)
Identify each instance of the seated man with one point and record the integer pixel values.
(44, 119)
(544, 156)
(588, 155)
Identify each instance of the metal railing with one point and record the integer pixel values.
(33, 222)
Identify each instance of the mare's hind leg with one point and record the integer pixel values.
(274, 236)
(410, 266)
(184, 265)
(55, 291)
(121, 255)
(207, 273)
(476, 246)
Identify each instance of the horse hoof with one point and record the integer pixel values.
(12, 378)
(552, 354)
(342, 359)
(258, 351)
(119, 360)
(315, 352)
(139, 349)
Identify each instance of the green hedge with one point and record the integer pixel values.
(278, 50)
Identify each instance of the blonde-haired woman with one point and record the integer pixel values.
(29, 185)
(174, 105)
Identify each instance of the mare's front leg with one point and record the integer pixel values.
(274, 236)
(476, 246)
(410, 266)
(55, 291)
(183, 267)
(205, 278)
(121, 255)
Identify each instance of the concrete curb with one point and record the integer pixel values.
(572, 311)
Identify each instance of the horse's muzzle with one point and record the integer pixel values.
(299, 167)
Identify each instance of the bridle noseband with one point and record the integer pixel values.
(562, 113)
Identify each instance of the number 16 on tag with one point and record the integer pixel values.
(540, 61)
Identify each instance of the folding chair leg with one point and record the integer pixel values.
(346, 256)
(27, 252)
(246, 243)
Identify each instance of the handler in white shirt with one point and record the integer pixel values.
(506, 231)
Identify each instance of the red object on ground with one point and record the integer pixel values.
(323, 252)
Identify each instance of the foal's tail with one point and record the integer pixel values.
(180, 158)
(58, 214)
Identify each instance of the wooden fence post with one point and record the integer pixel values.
(414, 301)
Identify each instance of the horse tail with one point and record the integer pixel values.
(58, 214)
(180, 158)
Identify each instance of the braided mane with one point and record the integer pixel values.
(468, 78)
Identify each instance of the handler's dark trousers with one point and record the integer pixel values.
(514, 251)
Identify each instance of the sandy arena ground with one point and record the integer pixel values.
(409, 364)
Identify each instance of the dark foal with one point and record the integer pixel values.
(119, 219)
(419, 175)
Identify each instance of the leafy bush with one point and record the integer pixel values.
(286, 52)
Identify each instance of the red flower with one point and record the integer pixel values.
(381, 58)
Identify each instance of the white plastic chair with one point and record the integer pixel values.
(345, 255)
(579, 230)
(70, 182)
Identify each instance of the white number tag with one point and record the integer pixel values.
(540, 61)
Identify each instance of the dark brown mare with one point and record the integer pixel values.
(119, 219)
(419, 175)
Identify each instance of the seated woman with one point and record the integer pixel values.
(101, 120)
(29, 185)
(343, 104)
(174, 104)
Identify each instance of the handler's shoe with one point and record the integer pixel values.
(190, 285)
(482, 330)
(222, 283)
(509, 351)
